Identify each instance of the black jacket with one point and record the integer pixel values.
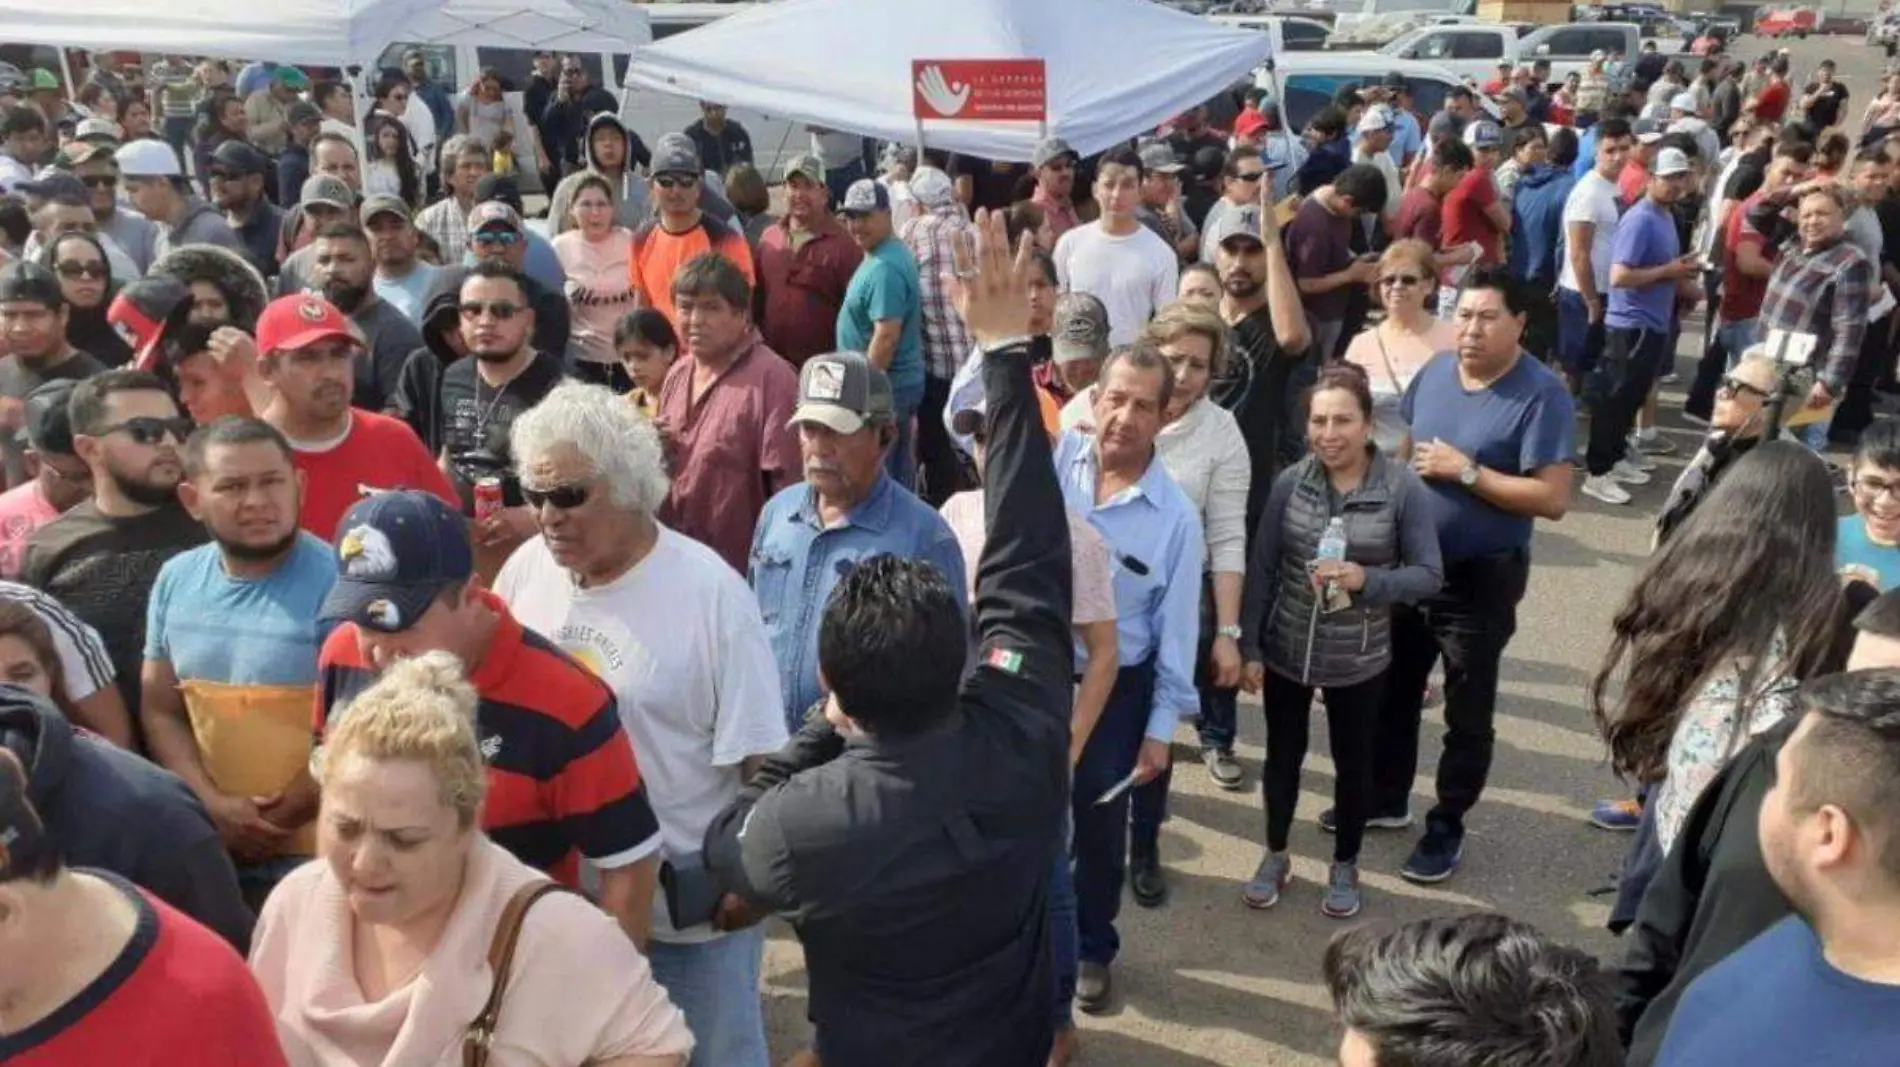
(1711, 896)
(111, 810)
(419, 387)
(916, 869)
(564, 124)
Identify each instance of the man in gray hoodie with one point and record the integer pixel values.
(159, 190)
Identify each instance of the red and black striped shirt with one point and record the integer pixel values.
(562, 781)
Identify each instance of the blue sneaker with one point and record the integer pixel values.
(1436, 856)
(1623, 815)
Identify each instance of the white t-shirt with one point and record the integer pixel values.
(1593, 200)
(680, 642)
(1131, 275)
(1394, 188)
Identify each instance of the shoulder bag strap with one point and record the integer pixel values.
(501, 956)
(1391, 374)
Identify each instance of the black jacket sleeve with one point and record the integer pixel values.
(1025, 576)
(199, 880)
(745, 845)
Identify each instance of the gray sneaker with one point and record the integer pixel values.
(1263, 889)
(1342, 891)
(1223, 768)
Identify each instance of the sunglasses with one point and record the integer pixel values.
(561, 497)
(1249, 175)
(72, 268)
(101, 181)
(149, 430)
(504, 238)
(1403, 281)
(499, 310)
(676, 181)
(1732, 386)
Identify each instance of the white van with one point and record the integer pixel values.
(1304, 82)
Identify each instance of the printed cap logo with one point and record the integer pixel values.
(312, 311)
(827, 381)
(366, 554)
(383, 615)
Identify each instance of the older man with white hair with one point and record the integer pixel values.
(677, 635)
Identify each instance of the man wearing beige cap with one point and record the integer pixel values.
(402, 279)
(799, 317)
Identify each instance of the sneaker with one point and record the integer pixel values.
(1654, 444)
(1637, 461)
(1435, 857)
(1623, 815)
(1093, 984)
(1145, 881)
(1629, 473)
(1223, 767)
(1668, 378)
(1388, 820)
(1604, 488)
(1342, 891)
(1263, 889)
(1695, 416)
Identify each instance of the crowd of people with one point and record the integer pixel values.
(405, 612)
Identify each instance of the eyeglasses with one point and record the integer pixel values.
(561, 497)
(1875, 487)
(1403, 281)
(504, 238)
(1249, 175)
(100, 181)
(499, 310)
(72, 268)
(676, 181)
(149, 430)
(1731, 386)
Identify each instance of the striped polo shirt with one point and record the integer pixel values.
(562, 782)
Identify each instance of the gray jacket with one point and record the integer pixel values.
(201, 225)
(1389, 532)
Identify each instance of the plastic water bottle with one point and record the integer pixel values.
(1332, 543)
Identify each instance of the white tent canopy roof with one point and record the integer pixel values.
(555, 25)
(330, 33)
(1114, 67)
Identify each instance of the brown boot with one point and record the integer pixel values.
(1065, 1048)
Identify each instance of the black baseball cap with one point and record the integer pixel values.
(241, 157)
(499, 187)
(396, 551)
(26, 280)
(49, 426)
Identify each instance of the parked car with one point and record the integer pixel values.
(1474, 50)
(1844, 26)
(1304, 82)
(1795, 22)
(1286, 34)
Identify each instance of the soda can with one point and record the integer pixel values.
(487, 499)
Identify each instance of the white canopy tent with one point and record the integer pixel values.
(1113, 67)
(328, 33)
(554, 25)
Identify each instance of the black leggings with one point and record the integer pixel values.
(1352, 715)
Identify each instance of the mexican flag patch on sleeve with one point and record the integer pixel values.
(1004, 660)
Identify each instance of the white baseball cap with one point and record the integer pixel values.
(1377, 117)
(1684, 102)
(148, 159)
(1670, 161)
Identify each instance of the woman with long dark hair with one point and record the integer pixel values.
(221, 118)
(1346, 534)
(389, 167)
(1733, 612)
(85, 280)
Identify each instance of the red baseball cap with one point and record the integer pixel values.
(141, 312)
(293, 322)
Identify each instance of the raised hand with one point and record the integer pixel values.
(990, 287)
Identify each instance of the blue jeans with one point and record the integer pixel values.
(1148, 804)
(1736, 338)
(1062, 936)
(900, 462)
(1578, 341)
(716, 984)
(839, 179)
(1101, 831)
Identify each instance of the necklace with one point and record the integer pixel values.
(501, 393)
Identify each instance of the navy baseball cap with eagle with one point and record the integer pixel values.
(396, 550)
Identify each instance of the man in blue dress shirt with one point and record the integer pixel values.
(1154, 535)
(846, 510)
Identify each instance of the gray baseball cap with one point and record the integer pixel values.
(1050, 149)
(1158, 157)
(1242, 221)
(1081, 328)
(384, 204)
(328, 190)
(675, 153)
(842, 392)
(865, 196)
(806, 166)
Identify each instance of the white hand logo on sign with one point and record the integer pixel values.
(946, 97)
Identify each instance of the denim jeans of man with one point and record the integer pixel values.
(1579, 341)
(1724, 350)
(1468, 623)
(716, 985)
(1616, 389)
(901, 461)
(178, 135)
(256, 880)
(1148, 803)
(1101, 830)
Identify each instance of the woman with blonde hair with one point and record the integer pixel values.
(1202, 449)
(383, 954)
(1393, 351)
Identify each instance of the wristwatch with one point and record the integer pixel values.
(1228, 631)
(1469, 476)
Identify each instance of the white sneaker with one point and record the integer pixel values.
(1628, 473)
(1604, 488)
(1635, 460)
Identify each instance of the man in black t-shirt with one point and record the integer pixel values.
(1823, 98)
(33, 321)
(101, 558)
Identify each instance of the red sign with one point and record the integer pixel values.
(979, 90)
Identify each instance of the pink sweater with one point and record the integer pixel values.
(580, 991)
